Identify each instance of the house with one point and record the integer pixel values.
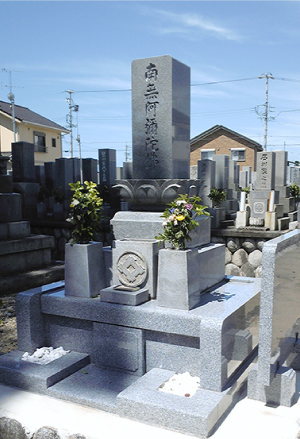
(222, 140)
(33, 128)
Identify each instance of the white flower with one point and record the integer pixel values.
(179, 202)
(175, 223)
(74, 203)
(79, 217)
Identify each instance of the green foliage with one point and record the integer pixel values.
(295, 191)
(179, 220)
(217, 196)
(245, 189)
(86, 212)
(58, 196)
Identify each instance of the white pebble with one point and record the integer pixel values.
(44, 355)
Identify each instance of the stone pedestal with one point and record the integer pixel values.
(271, 220)
(242, 218)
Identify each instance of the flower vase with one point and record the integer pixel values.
(84, 269)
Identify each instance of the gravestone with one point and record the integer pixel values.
(49, 174)
(127, 171)
(265, 171)
(233, 175)
(264, 184)
(107, 166)
(160, 118)
(222, 171)
(23, 162)
(89, 170)
(206, 174)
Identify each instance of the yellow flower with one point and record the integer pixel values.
(180, 217)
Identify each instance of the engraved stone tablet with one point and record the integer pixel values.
(160, 118)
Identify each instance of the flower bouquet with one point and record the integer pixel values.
(179, 220)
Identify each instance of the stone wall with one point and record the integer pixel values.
(61, 231)
(243, 253)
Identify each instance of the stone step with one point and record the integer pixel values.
(14, 230)
(32, 279)
(26, 254)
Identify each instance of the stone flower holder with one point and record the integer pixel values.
(84, 269)
(184, 274)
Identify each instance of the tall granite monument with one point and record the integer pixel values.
(160, 134)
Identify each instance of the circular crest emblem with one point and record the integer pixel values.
(132, 269)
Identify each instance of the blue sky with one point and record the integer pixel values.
(88, 47)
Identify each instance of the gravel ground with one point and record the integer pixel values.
(8, 324)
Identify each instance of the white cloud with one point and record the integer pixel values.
(189, 22)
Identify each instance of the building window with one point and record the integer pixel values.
(53, 143)
(207, 154)
(39, 142)
(238, 154)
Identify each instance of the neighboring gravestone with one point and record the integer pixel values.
(206, 173)
(89, 170)
(107, 166)
(233, 175)
(265, 171)
(40, 174)
(23, 162)
(244, 179)
(127, 170)
(49, 174)
(280, 168)
(160, 118)
(222, 171)
(264, 183)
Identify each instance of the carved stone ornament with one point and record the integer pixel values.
(155, 193)
(132, 269)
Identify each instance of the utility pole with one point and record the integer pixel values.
(265, 115)
(11, 97)
(127, 153)
(70, 118)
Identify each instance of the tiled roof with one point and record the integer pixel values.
(215, 128)
(23, 114)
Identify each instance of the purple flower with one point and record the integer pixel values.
(189, 206)
(171, 211)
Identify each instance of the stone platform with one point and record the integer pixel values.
(133, 350)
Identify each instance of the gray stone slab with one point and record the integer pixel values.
(136, 225)
(288, 204)
(118, 348)
(127, 170)
(36, 377)
(160, 118)
(279, 311)
(49, 174)
(196, 415)
(130, 298)
(73, 334)
(172, 352)
(93, 387)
